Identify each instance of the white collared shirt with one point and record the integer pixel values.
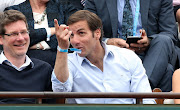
(6, 61)
(122, 72)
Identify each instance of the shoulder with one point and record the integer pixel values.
(176, 74)
(22, 6)
(14, 7)
(120, 51)
(124, 55)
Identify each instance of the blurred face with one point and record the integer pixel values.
(83, 38)
(16, 39)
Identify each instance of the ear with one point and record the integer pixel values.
(98, 33)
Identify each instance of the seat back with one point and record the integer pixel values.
(158, 101)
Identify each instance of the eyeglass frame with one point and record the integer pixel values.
(15, 34)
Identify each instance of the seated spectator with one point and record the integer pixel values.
(40, 15)
(156, 49)
(96, 67)
(17, 71)
(7, 3)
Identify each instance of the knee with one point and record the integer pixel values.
(163, 40)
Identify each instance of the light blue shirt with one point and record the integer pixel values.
(122, 72)
(120, 7)
(6, 61)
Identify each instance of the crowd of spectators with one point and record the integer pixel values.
(158, 49)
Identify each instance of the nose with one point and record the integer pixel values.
(20, 36)
(74, 41)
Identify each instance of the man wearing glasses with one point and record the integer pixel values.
(17, 71)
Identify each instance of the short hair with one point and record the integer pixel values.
(94, 22)
(10, 16)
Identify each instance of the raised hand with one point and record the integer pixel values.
(62, 35)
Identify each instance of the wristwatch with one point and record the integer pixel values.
(38, 46)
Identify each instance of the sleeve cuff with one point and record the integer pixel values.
(48, 30)
(59, 86)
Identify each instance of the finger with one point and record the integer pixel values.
(144, 40)
(56, 24)
(122, 43)
(64, 33)
(69, 34)
(63, 27)
(131, 49)
(143, 32)
(135, 45)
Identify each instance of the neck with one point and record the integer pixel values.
(97, 57)
(17, 61)
(37, 6)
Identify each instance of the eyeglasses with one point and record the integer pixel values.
(15, 34)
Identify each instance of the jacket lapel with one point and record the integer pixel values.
(112, 8)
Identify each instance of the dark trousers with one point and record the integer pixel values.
(159, 61)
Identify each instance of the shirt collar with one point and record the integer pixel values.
(108, 54)
(6, 61)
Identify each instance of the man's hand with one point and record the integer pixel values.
(117, 42)
(62, 34)
(142, 44)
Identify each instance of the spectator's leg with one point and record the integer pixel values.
(157, 59)
(166, 81)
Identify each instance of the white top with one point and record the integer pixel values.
(43, 24)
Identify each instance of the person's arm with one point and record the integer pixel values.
(176, 84)
(61, 64)
(60, 75)
(139, 79)
(166, 25)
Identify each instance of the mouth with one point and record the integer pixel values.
(20, 45)
(79, 49)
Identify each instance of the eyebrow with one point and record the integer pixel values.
(80, 29)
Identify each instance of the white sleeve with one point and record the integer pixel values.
(139, 80)
(58, 86)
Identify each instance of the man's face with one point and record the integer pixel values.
(15, 45)
(83, 38)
